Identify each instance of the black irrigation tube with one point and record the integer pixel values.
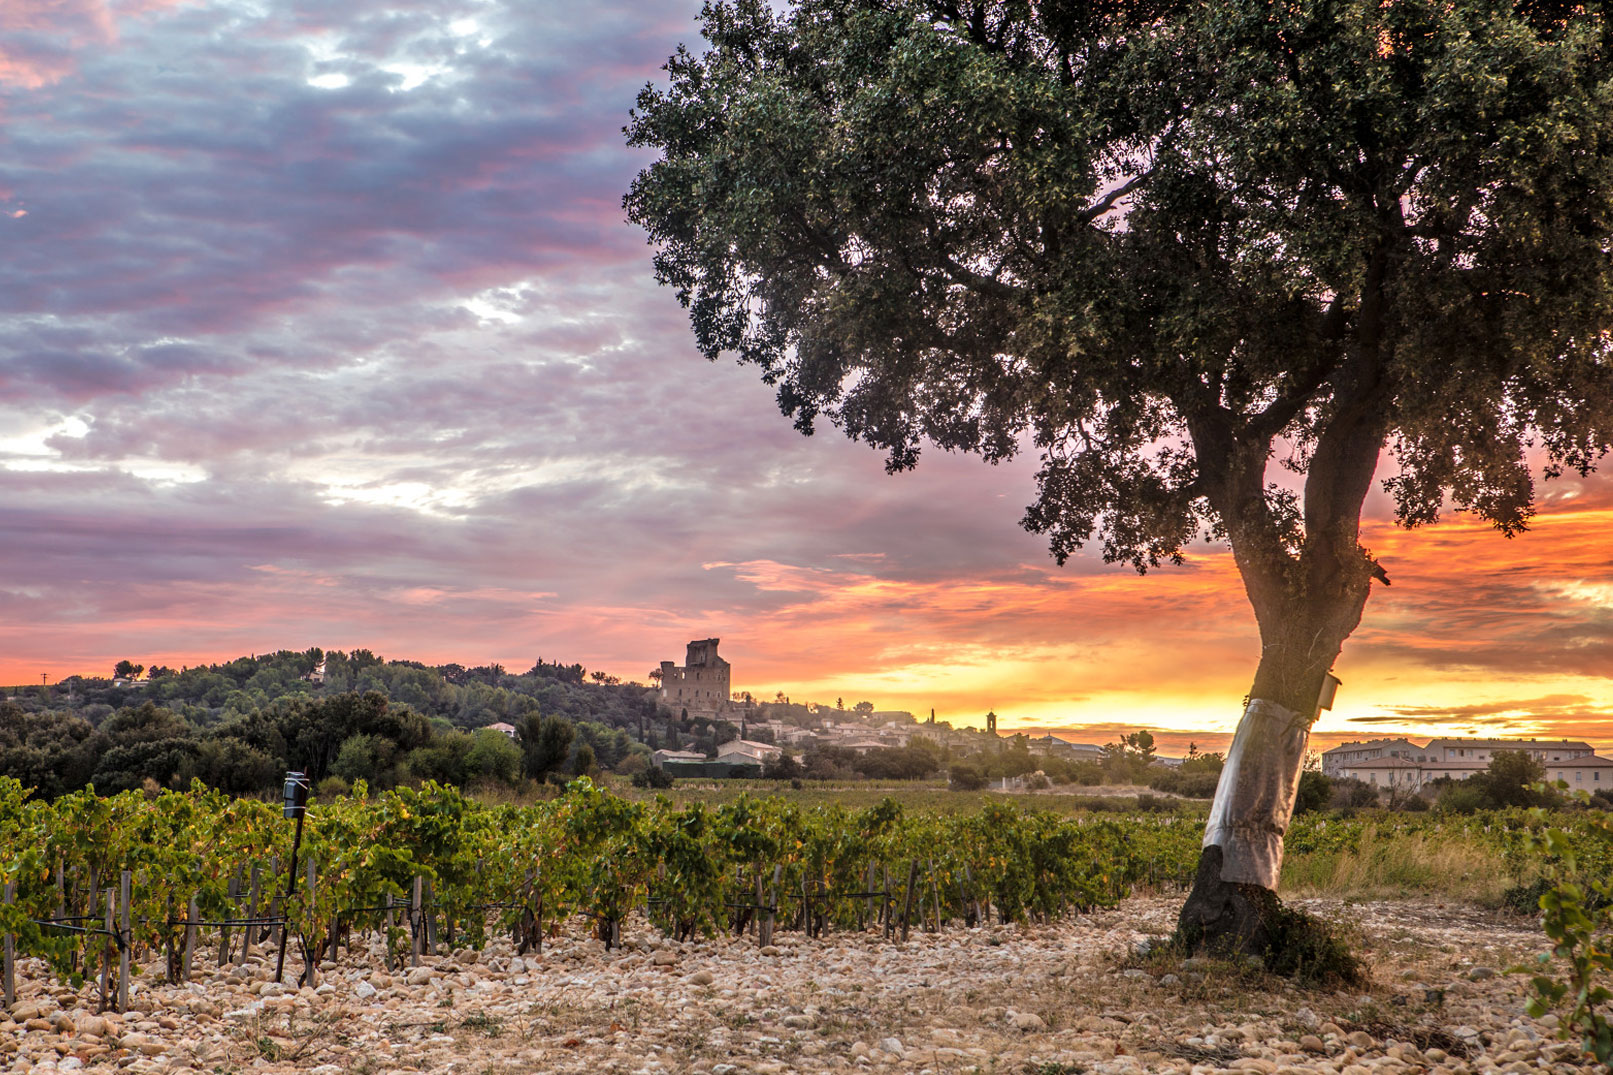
(116, 935)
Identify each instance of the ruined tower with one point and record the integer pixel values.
(700, 686)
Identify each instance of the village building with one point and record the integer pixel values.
(1403, 765)
(1542, 750)
(746, 752)
(672, 759)
(700, 687)
(1052, 744)
(502, 728)
(1334, 761)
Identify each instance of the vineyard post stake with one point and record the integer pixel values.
(110, 902)
(764, 936)
(192, 913)
(10, 970)
(89, 916)
(310, 952)
(249, 941)
(935, 893)
(233, 888)
(887, 921)
(296, 805)
(125, 939)
(276, 907)
(429, 910)
(907, 901)
(416, 921)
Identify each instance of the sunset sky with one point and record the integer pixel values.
(321, 325)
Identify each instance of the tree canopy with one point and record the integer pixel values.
(1165, 244)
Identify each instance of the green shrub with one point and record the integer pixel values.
(1576, 904)
(965, 777)
(1089, 774)
(653, 778)
(1315, 792)
(1460, 798)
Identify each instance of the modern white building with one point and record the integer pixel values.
(1400, 763)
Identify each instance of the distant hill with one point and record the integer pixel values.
(241, 724)
(465, 697)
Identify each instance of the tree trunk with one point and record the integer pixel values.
(1235, 888)
(1234, 892)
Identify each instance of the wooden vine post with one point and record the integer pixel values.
(224, 930)
(124, 939)
(907, 900)
(310, 952)
(251, 929)
(8, 972)
(764, 935)
(416, 910)
(193, 914)
(110, 903)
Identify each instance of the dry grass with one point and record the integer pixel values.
(1450, 867)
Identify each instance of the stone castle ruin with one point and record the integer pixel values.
(700, 687)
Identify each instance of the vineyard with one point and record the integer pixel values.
(179, 878)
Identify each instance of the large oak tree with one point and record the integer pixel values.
(1173, 246)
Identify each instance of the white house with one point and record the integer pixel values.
(661, 757)
(743, 751)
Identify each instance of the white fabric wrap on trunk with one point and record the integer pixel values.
(1255, 799)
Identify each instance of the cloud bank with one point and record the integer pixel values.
(320, 325)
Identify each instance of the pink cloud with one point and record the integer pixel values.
(43, 36)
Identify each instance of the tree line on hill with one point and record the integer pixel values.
(241, 725)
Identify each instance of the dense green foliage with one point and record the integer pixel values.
(239, 726)
(1513, 778)
(586, 852)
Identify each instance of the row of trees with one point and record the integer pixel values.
(464, 697)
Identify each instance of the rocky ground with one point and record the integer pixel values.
(1045, 1000)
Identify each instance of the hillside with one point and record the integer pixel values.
(240, 725)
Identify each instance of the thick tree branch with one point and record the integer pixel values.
(1109, 200)
(1302, 387)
